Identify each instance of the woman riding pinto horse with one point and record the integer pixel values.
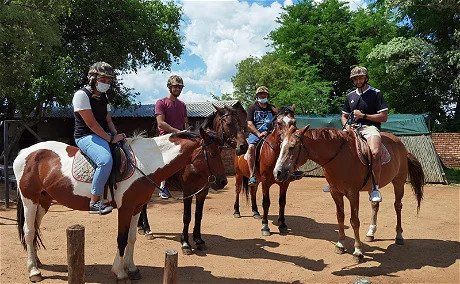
(44, 173)
(336, 151)
(268, 154)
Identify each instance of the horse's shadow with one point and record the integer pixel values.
(414, 254)
(99, 273)
(252, 249)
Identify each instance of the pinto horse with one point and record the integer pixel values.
(227, 123)
(264, 172)
(336, 151)
(43, 173)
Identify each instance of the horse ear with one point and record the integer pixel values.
(293, 108)
(305, 129)
(219, 109)
(203, 133)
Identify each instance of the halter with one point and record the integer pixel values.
(306, 149)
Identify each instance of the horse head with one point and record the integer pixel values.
(206, 160)
(230, 127)
(290, 155)
(284, 119)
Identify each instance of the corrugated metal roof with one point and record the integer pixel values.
(194, 109)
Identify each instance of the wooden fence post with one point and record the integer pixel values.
(76, 254)
(170, 270)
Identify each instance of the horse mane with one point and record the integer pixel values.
(329, 134)
(186, 135)
(138, 134)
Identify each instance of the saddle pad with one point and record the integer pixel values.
(363, 151)
(83, 167)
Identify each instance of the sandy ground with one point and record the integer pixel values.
(237, 253)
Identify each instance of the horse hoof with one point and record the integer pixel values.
(256, 215)
(283, 229)
(187, 250)
(265, 232)
(201, 247)
(340, 250)
(140, 231)
(236, 215)
(149, 235)
(369, 238)
(36, 278)
(125, 280)
(134, 275)
(399, 241)
(358, 258)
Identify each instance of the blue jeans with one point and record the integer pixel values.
(252, 139)
(98, 150)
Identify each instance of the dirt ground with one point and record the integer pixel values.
(237, 253)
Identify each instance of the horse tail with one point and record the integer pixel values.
(245, 187)
(417, 177)
(21, 220)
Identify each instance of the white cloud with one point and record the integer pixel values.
(217, 36)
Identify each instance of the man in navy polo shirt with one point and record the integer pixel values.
(367, 109)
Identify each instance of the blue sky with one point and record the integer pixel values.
(217, 35)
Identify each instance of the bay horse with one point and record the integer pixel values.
(44, 173)
(336, 151)
(264, 173)
(226, 122)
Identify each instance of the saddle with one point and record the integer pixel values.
(364, 152)
(83, 167)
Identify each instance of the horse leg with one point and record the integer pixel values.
(266, 206)
(255, 210)
(143, 226)
(339, 207)
(125, 221)
(354, 221)
(29, 229)
(200, 244)
(236, 206)
(187, 217)
(399, 193)
(283, 228)
(133, 271)
(373, 225)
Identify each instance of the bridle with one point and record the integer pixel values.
(302, 145)
(225, 137)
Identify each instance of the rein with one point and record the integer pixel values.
(319, 166)
(211, 179)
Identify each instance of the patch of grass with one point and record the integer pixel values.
(453, 175)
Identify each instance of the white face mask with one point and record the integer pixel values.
(262, 101)
(102, 87)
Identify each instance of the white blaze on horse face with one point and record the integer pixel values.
(288, 120)
(279, 162)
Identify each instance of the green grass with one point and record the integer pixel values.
(453, 175)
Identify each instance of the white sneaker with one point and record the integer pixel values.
(327, 188)
(375, 196)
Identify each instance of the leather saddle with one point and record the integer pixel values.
(364, 152)
(83, 167)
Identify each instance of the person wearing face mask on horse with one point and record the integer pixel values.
(260, 116)
(94, 129)
(365, 109)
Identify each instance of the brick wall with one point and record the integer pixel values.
(448, 147)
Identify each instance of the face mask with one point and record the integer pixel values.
(262, 101)
(102, 87)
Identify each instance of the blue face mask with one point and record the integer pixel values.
(102, 87)
(262, 101)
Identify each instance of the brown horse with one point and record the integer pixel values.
(336, 152)
(264, 172)
(44, 173)
(227, 124)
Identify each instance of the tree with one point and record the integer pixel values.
(47, 47)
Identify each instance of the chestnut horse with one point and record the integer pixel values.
(336, 152)
(264, 172)
(43, 173)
